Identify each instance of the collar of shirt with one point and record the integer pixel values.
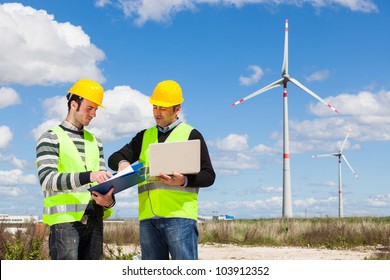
(70, 126)
(169, 127)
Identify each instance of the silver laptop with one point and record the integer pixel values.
(169, 157)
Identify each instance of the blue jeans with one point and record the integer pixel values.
(177, 237)
(77, 241)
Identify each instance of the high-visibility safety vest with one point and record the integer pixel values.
(69, 205)
(158, 200)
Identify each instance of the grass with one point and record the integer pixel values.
(331, 233)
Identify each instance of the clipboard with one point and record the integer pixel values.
(123, 182)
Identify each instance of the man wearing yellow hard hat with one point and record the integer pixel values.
(168, 207)
(70, 160)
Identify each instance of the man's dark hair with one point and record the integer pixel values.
(73, 97)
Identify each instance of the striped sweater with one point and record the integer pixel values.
(47, 152)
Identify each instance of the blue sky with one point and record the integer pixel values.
(219, 51)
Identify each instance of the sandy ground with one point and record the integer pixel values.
(232, 252)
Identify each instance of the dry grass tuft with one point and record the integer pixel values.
(331, 233)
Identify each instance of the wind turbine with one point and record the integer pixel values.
(287, 202)
(340, 155)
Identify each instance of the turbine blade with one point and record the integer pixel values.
(285, 57)
(298, 84)
(350, 167)
(326, 155)
(270, 86)
(345, 141)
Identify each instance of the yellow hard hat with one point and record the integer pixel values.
(88, 89)
(166, 94)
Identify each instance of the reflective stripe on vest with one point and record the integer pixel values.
(157, 199)
(69, 205)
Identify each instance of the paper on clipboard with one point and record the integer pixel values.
(125, 171)
(123, 180)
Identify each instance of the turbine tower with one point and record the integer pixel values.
(287, 201)
(340, 155)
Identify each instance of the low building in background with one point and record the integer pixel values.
(15, 223)
(202, 218)
(18, 219)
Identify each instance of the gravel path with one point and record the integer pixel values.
(231, 252)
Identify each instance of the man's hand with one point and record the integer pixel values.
(123, 165)
(100, 176)
(176, 179)
(103, 199)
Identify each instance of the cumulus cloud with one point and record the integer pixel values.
(363, 103)
(127, 111)
(265, 150)
(366, 113)
(55, 109)
(14, 161)
(318, 76)
(233, 154)
(254, 78)
(142, 11)
(232, 142)
(13, 192)
(6, 136)
(379, 200)
(16, 177)
(305, 202)
(102, 3)
(8, 97)
(35, 49)
(230, 163)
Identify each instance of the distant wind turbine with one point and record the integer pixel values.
(287, 201)
(340, 155)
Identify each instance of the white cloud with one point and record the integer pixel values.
(271, 190)
(364, 103)
(13, 192)
(16, 177)
(265, 150)
(14, 161)
(366, 6)
(233, 155)
(37, 50)
(379, 200)
(102, 3)
(231, 162)
(305, 202)
(6, 136)
(142, 11)
(366, 113)
(330, 184)
(55, 109)
(8, 97)
(318, 76)
(127, 111)
(246, 207)
(232, 142)
(159, 11)
(254, 78)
